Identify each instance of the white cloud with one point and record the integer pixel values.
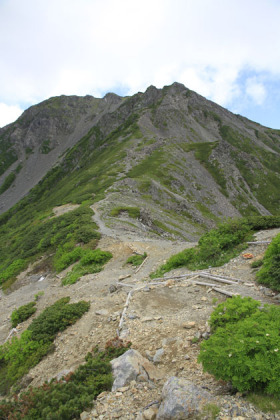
(9, 113)
(92, 46)
(255, 90)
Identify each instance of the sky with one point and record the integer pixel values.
(227, 51)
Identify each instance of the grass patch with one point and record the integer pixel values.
(21, 354)
(23, 313)
(68, 397)
(26, 242)
(269, 274)
(133, 212)
(91, 261)
(265, 403)
(219, 245)
(7, 182)
(136, 260)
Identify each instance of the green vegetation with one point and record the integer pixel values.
(256, 264)
(133, 212)
(22, 313)
(210, 411)
(7, 155)
(7, 182)
(219, 245)
(136, 260)
(265, 403)
(90, 262)
(244, 348)
(68, 397)
(45, 147)
(269, 274)
(232, 310)
(21, 354)
(39, 295)
(259, 167)
(24, 242)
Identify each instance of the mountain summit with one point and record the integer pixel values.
(182, 162)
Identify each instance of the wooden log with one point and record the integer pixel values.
(224, 277)
(259, 243)
(178, 277)
(125, 284)
(13, 331)
(224, 292)
(218, 279)
(139, 268)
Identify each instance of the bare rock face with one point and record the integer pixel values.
(133, 366)
(182, 400)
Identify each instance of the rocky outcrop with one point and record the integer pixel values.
(182, 400)
(133, 366)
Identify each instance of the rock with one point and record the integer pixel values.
(147, 319)
(132, 366)
(132, 316)
(146, 289)
(158, 355)
(149, 355)
(63, 373)
(102, 312)
(150, 413)
(85, 415)
(124, 277)
(187, 357)
(188, 325)
(112, 288)
(182, 400)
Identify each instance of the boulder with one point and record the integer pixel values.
(181, 399)
(132, 366)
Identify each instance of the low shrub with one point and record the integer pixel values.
(64, 258)
(269, 274)
(92, 261)
(133, 212)
(233, 310)
(21, 354)
(67, 398)
(245, 347)
(256, 264)
(219, 245)
(136, 260)
(22, 313)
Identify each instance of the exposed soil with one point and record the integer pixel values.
(156, 319)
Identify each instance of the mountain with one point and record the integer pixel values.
(141, 178)
(183, 161)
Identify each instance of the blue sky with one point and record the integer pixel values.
(227, 51)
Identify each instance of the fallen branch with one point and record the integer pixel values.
(224, 277)
(224, 292)
(141, 265)
(259, 243)
(218, 279)
(179, 277)
(125, 284)
(13, 331)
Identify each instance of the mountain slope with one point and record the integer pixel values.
(184, 162)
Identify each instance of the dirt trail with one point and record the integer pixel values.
(155, 317)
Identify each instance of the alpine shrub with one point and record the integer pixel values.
(269, 274)
(22, 313)
(245, 351)
(21, 354)
(232, 311)
(67, 398)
